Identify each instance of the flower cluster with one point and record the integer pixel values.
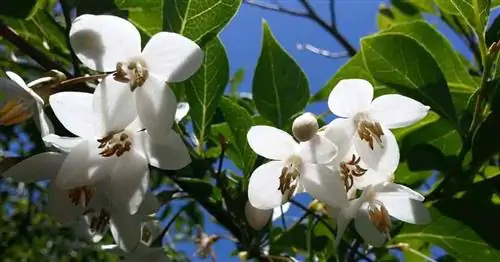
(348, 164)
(99, 177)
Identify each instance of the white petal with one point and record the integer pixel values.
(81, 228)
(60, 207)
(367, 229)
(383, 159)
(64, 144)
(405, 209)
(182, 111)
(29, 170)
(341, 132)
(129, 182)
(43, 122)
(395, 111)
(344, 216)
(101, 41)
(17, 79)
(156, 106)
(324, 184)
(257, 218)
(371, 177)
(169, 154)
(263, 186)
(392, 189)
(172, 56)
(277, 210)
(114, 102)
(271, 142)
(84, 166)
(149, 205)
(318, 150)
(350, 96)
(74, 110)
(126, 231)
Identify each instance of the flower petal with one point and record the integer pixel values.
(340, 132)
(277, 210)
(350, 96)
(74, 110)
(318, 150)
(367, 229)
(115, 104)
(82, 229)
(156, 106)
(271, 142)
(393, 189)
(383, 159)
(371, 177)
(324, 184)
(343, 216)
(257, 218)
(101, 41)
(182, 111)
(84, 166)
(149, 205)
(263, 186)
(60, 207)
(29, 170)
(43, 122)
(405, 209)
(64, 144)
(172, 56)
(129, 182)
(126, 230)
(395, 111)
(170, 154)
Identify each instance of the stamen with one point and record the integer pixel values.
(114, 144)
(370, 131)
(351, 169)
(139, 74)
(146, 235)
(288, 177)
(121, 74)
(15, 111)
(99, 221)
(81, 195)
(379, 215)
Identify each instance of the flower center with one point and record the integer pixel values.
(115, 144)
(379, 215)
(15, 111)
(369, 130)
(81, 195)
(134, 72)
(146, 235)
(351, 169)
(99, 220)
(289, 174)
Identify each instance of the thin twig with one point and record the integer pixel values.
(276, 8)
(283, 218)
(332, 12)
(322, 52)
(10, 35)
(406, 247)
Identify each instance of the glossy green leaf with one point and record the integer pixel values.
(280, 88)
(22, 9)
(195, 19)
(401, 63)
(205, 88)
(239, 121)
(475, 12)
(484, 143)
(398, 12)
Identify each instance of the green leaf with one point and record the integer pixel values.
(239, 121)
(484, 143)
(205, 88)
(399, 12)
(475, 12)
(195, 19)
(23, 9)
(232, 151)
(280, 88)
(401, 63)
(354, 68)
(236, 81)
(441, 50)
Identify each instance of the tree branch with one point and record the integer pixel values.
(10, 35)
(276, 8)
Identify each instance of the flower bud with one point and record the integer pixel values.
(305, 127)
(257, 218)
(317, 207)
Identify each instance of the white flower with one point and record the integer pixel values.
(372, 211)
(110, 146)
(21, 104)
(369, 121)
(293, 168)
(63, 205)
(107, 43)
(181, 112)
(258, 218)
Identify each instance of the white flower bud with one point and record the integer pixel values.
(305, 127)
(257, 218)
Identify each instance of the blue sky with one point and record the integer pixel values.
(242, 39)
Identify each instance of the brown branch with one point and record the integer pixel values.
(10, 35)
(276, 8)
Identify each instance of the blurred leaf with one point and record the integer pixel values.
(398, 12)
(475, 12)
(280, 88)
(493, 32)
(205, 88)
(484, 143)
(236, 80)
(404, 175)
(354, 68)
(400, 133)
(195, 19)
(423, 5)
(23, 9)
(239, 121)
(401, 63)
(232, 151)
